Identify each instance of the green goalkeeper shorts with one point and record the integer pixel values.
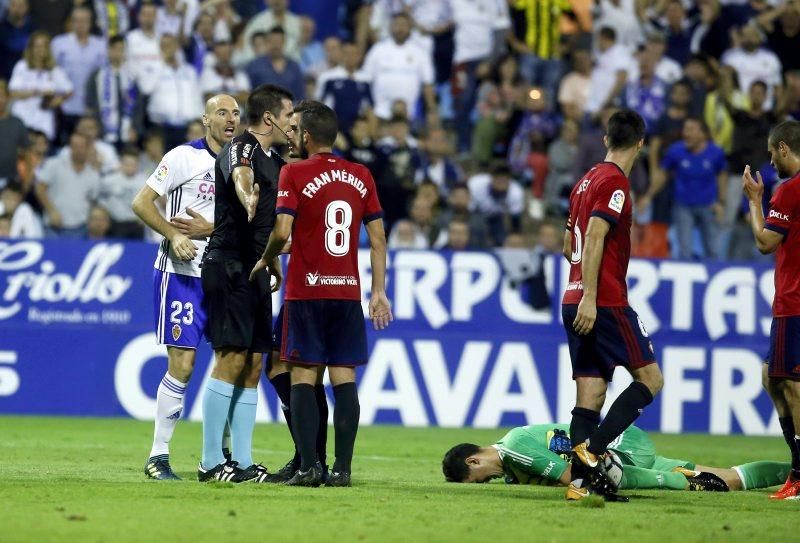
(635, 448)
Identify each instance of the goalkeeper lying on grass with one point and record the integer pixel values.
(539, 454)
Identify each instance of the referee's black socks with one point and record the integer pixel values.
(305, 423)
(346, 414)
(625, 409)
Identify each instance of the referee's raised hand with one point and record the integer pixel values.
(182, 247)
(251, 201)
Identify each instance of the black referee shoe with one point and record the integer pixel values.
(310, 477)
(339, 478)
(227, 471)
(284, 474)
(254, 474)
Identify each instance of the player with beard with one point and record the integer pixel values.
(185, 177)
(779, 233)
(321, 202)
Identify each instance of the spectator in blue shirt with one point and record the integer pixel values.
(15, 29)
(648, 94)
(698, 169)
(275, 68)
(345, 90)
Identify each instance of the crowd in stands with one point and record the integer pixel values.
(476, 117)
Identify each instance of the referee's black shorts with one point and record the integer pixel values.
(239, 311)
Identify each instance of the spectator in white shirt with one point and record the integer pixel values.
(573, 91)
(276, 14)
(170, 18)
(143, 49)
(102, 155)
(175, 95)
(667, 70)
(754, 63)
(476, 22)
(399, 70)
(118, 190)
(622, 17)
(220, 76)
(500, 199)
(610, 73)
(66, 186)
(38, 86)
(25, 223)
(79, 54)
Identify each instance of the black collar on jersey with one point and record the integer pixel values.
(208, 148)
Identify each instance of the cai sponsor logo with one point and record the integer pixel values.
(776, 215)
(35, 282)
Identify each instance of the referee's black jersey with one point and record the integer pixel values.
(233, 236)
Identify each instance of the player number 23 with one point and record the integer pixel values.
(338, 218)
(178, 308)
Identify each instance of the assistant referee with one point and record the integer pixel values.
(240, 312)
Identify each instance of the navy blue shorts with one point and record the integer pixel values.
(617, 339)
(784, 348)
(324, 332)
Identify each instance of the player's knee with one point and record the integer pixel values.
(181, 365)
(652, 378)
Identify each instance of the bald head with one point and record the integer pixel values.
(221, 119)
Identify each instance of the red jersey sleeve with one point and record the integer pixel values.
(373, 209)
(609, 199)
(781, 208)
(287, 193)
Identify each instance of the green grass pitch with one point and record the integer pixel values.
(81, 480)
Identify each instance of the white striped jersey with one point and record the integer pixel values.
(186, 176)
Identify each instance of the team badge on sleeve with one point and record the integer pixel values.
(617, 201)
(176, 332)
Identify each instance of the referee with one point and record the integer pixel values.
(240, 312)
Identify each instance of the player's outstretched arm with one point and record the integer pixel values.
(246, 190)
(380, 309)
(767, 241)
(145, 208)
(593, 245)
(277, 241)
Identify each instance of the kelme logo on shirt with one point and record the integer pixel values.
(312, 279)
(780, 216)
(617, 201)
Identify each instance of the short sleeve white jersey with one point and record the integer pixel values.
(186, 176)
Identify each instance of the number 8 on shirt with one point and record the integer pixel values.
(329, 198)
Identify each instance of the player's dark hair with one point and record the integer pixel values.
(318, 120)
(787, 132)
(625, 129)
(454, 465)
(114, 40)
(608, 33)
(265, 98)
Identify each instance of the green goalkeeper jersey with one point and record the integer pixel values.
(539, 454)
